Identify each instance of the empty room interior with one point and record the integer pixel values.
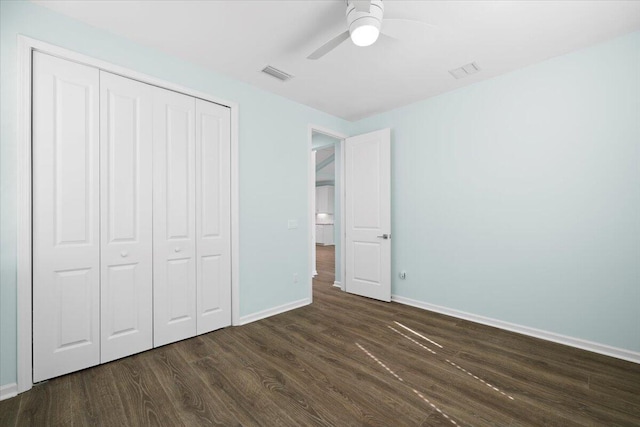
(332, 212)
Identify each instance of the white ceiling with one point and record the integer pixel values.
(239, 38)
(327, 173)
(323, 154)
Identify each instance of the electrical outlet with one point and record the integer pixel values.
(295, 277)
(292, 224)
(403, 275)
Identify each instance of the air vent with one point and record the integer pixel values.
(465, 70)
(278, 74)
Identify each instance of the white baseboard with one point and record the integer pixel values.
(607, 350)
(273, 311)
(337, 284)
(8, 391)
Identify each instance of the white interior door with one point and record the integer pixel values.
(66, 223)
(368, 214)
(126, 127)
(174, 217)
(213, 216)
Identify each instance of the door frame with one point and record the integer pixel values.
(311, 185)
(26, 46)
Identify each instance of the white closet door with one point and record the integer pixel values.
(174, 217)
(126, 131)
(213, 216)
(66, 227)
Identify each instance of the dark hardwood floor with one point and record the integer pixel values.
(344, 360)
(326, 266)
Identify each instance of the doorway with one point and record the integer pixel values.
(362, 256)
(362, 244)
(325, 201)
(325, 212)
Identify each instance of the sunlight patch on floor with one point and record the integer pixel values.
(434, 406)
(411, 339)
(478, 378)
(417, 334)
(447, 360)
(379, 362)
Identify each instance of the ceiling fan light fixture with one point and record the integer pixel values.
(364, 26)
(364, 34)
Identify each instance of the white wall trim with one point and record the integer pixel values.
(26, 46)
(8, 391)
(273, 311)
(326, 131)
(23, 196)
(311, 200)
(343, 215)
(337, 285)
(235, 215)
(607, 350)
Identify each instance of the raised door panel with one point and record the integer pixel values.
(213, 217)
(174, 218)
(66, 233)
(126, 130)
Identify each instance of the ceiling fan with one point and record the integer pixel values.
(364, 23)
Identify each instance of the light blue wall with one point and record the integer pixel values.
(518, 198)
(272, 132)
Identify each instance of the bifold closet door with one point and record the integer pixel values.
(126, 132)
(213, 218)
(66, 217)
(174, 217)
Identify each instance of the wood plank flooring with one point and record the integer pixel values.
(342, 361)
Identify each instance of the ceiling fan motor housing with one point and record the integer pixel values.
(357, 18)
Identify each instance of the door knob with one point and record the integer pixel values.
(178, 249)
(385, 236)
(124, 254)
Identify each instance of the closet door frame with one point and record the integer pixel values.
(26, 46)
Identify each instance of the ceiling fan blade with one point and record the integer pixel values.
(400, 28)
(387, 37)
(329, 46)
(362, 5)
